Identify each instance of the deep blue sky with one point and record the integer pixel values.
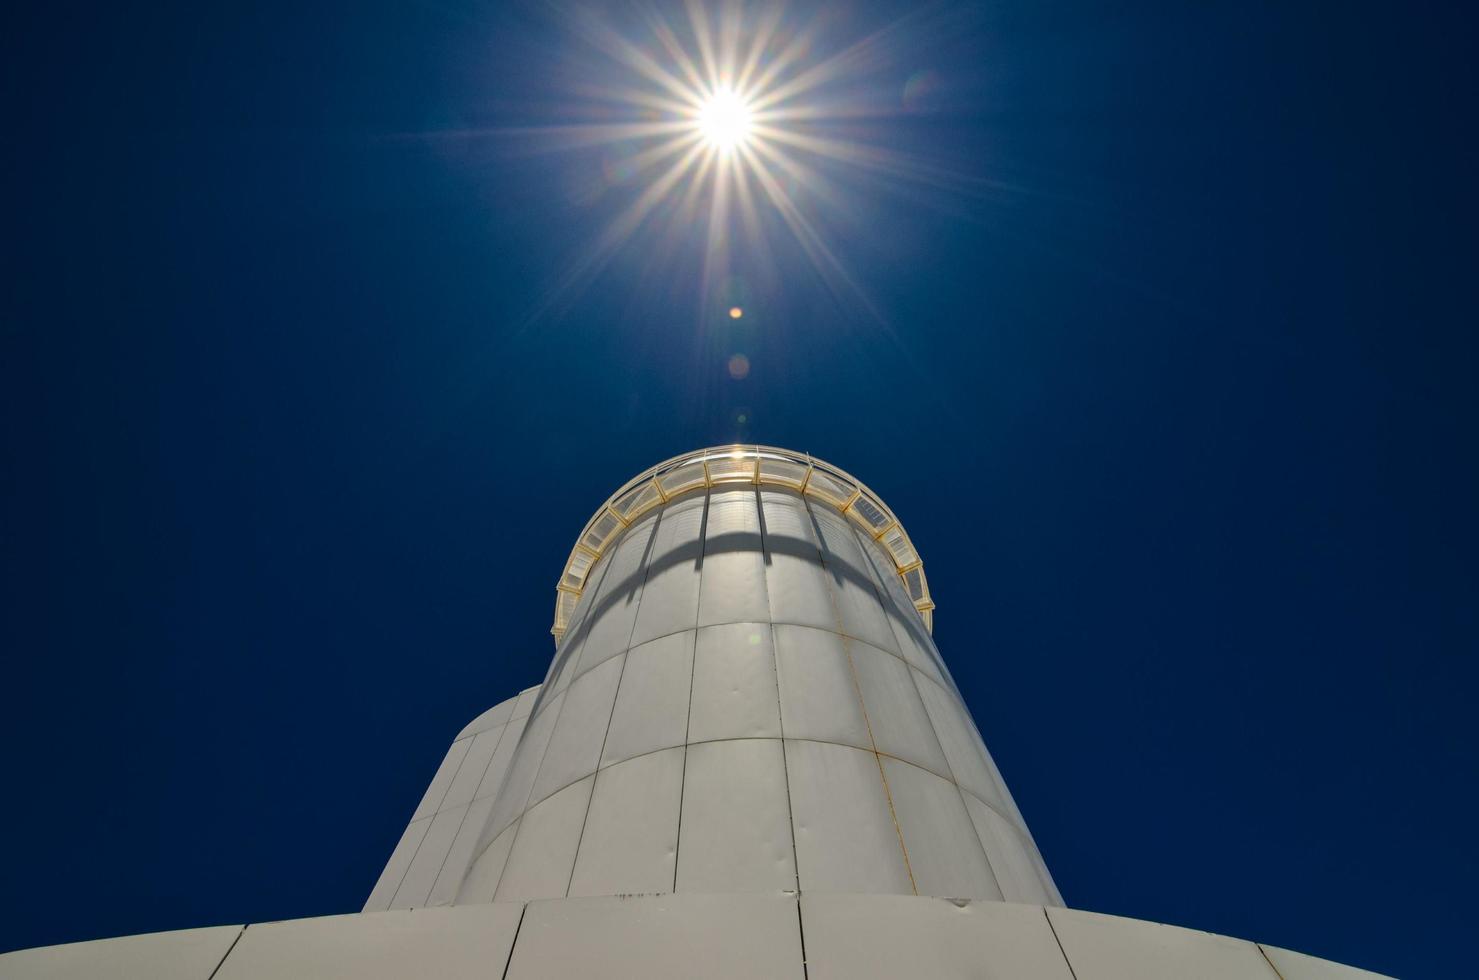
(1177, 400)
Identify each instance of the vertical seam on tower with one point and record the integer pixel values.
(1267, 959)
(513, 945)
(780, 718)
(431, 819)
(518, 823)
(888, 795)
(239, 933)
(1061, 951)
(461, 823)
(703, 537)
(885, 603)
(801, 934)
(625, 656)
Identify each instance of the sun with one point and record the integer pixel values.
(724, 120)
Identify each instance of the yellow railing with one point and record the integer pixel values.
(758, 465)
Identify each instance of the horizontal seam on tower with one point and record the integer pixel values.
(764, 738)
(736, 622)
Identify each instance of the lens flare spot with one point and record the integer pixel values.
(724, 120)
(924, 91)
(739, 367)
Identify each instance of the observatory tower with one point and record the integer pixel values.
(747, 759)
(744, 698)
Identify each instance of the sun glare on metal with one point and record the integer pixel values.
(724, 119)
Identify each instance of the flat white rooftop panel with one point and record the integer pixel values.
(1106, 947)
(886, 937)
(666, 937)
(460, 943)
(187, 954)
(1298, 966)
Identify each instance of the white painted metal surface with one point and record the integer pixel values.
(818, 687)
(945, 853)
(721, 937)
(434, 852)
(1106, 947)
(735, 829)
(885, 937)
(734, 690)
(753, 625)
(652, 702)
(745, 704)
(846, 840)
(630, 841)
(189, 954)
(543, 854)
(679, 937)
(1299, 966)
(468, 943)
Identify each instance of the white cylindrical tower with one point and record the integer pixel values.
(745, 698)
(746, 761)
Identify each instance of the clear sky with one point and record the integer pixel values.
(328, 325)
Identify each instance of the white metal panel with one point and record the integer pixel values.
(795, 580)
(734, 688)
(845, 835)
(430, 857)
(474, 766)
(513, 796)
(1298, 966)
(395, 869)
(896, 715)
(735, 834)
(494, 717)
(852, 584)
(652, 700)
(481, 880)
(185, 954)
(887, 937)
(609, 631)
(502, 756)
(562, 669)
(431, 800)
(818, 693)
(525, 702)
(1106, 947)
(1018, 871)
(670, 597)
(630, 843)
(963, 748)
(575, 747)
(471, 941)
(460, 854)
(913, 639)
(668, 937)
(1008, 804)
(733, 586)
(543, 854)
(945, 855)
